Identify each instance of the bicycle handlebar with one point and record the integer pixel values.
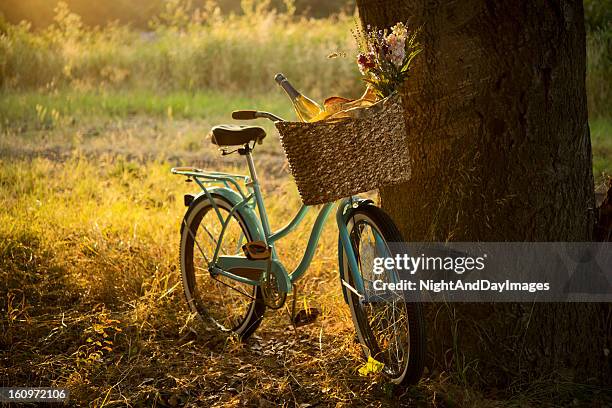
(244, 114)
(252, 114)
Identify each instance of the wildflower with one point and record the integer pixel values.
(365, 62)
(400, 31)
(397, 49)
(386, 56)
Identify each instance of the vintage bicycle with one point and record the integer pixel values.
(231, 270)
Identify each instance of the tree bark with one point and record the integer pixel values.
(497, 127)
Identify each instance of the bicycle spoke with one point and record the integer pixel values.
(385, 314)
(226, 302)
(214, 240)
(233, 288)
(195, 241)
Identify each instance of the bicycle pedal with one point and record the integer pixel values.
(256, 250)
(306, 316)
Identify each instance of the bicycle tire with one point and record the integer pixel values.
(254, 313)
(413, 366)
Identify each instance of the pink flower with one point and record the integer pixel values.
(397, 48)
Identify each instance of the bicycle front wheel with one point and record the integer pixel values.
(230, 305)
(390, 330)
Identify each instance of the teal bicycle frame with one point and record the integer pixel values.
(244, 203)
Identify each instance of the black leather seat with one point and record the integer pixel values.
(236, 135)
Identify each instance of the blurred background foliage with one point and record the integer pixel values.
(138, 13)
(230, 45)
(182, 47)
(180, 50)
(598, 14)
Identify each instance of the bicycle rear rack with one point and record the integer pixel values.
(205, 178)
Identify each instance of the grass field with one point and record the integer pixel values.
(89, 254)
(89, 216)
(601, 139)
(89, 251)
(168, 126)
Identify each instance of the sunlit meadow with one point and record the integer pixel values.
(92, 119)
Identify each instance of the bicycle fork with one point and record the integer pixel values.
(342, 217)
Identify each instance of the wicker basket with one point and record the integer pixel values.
(334, 159)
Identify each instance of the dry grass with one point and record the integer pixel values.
(89, 284)
(89, 255)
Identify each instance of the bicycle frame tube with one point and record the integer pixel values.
(263, 216)
(297, 219)
(313, 240)
(225, 222)
(315, 234)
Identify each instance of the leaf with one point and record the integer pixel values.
(371, 366)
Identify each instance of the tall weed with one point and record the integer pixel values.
(184, 50)
(204, 49)
(599, 73)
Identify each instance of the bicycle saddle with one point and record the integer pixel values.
(236, 135)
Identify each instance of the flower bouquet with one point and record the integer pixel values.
(385, 57)
(384, 60)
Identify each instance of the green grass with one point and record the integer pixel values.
(599, 72)
(47, 110)
(238, 53)
(143, 125)
(601, 140)
(164, 124)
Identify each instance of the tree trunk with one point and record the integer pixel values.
(498, 132)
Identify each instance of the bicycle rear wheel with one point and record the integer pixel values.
(228, 304)
(390, 330)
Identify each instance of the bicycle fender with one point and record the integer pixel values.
(359, 202)
(251, 220)
(245, 212)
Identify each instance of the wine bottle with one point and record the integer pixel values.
(305, 108)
